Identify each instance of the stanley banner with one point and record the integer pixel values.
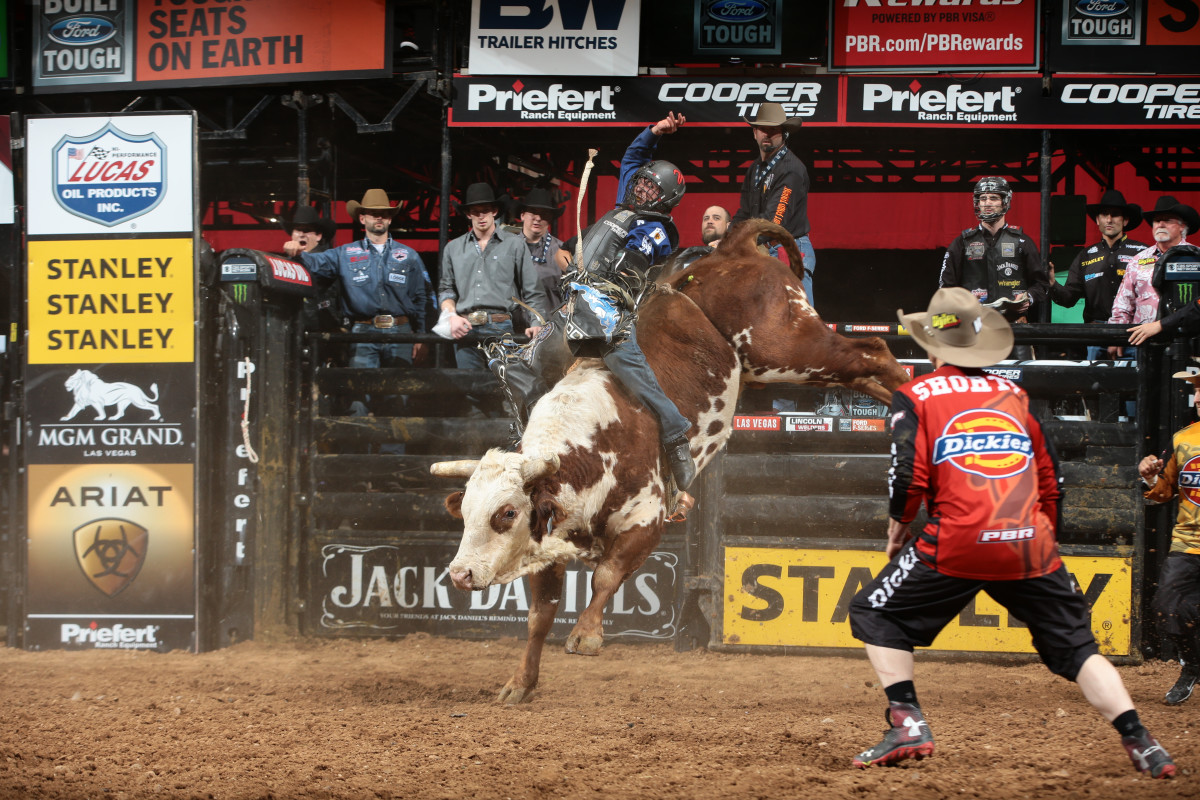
(801, 598)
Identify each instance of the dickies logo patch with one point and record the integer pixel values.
(984, 442)
(1189, 481)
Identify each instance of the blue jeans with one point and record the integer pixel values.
(810, 265)
(468, 355)
(627, 361)
(371, 355)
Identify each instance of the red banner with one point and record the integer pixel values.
(882, 35)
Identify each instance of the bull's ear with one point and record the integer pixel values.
(544, 515)
(454, 505)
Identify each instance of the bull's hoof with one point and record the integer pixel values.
(584, 645)
(514, 693)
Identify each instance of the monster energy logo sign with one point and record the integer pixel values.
(240, 293)
(1184, 293)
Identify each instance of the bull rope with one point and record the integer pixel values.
(583, 184)
(250, 454)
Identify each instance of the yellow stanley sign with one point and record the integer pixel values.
(111, 301)
(802, 598)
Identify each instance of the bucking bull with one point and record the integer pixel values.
(590, 482)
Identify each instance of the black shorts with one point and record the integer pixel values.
(909, 604)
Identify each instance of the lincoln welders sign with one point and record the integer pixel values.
(110, 381)
(888, 35)
(115, 44)
(555, 37)
(636, 101)
(738, 27)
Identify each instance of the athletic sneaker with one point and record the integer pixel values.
(1148, 755)
(909, 737)
(1183, 687)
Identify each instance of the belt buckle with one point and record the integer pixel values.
(477, 317)
(385, 321)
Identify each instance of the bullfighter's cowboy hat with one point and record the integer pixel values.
(959, 330)
(479, 194)
(1115, 200)
(375, 201)
(541, 201)
(772, 115)
(1192, 373)
(307, 218)
(1169, 205)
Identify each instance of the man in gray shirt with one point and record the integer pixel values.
(481, 271)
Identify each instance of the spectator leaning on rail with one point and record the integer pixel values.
(1177, 601)
(776, 184)
(966, 444)
(1174, 288)
(384, 283)
(995, 261)
(482, 271)
(1097, 271)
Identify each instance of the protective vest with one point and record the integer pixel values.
(996, 268)
(1177, 279)
(604, 243)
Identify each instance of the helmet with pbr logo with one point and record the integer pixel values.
(657, 186)
(992, 185)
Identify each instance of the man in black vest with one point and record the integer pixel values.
(995, 261)
(1096, 272)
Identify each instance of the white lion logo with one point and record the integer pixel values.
(89, 390)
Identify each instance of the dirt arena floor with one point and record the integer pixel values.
(415, 718)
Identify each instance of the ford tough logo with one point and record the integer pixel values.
(109, 176)
(82, 30)
(1101, 8)
(737, 10)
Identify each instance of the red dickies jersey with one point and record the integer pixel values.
(966, 442)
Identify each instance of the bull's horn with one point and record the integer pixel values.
(537, 466)
(454, 469)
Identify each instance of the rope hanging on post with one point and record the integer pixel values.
(253, 456)
(583, 183)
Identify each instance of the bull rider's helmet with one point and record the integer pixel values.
(657, 186)
(992, 185)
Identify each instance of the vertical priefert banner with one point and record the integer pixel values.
(111, 382)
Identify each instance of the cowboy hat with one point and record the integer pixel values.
(307, 218)
(772, 115)
(1114, 199)
(478, 194)
(958, 330)
(1169, 205)
(540, 200)
(375, 201)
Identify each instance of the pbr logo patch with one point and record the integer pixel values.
(1189, 481)
(983, 442)
(110, 176)
(111, 552)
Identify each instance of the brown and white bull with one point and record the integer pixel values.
(590, 482)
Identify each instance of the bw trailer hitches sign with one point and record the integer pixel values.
(129, 174)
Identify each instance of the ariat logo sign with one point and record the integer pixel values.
(111, 552)
(984, 442)
(113, 636)
(110, 176)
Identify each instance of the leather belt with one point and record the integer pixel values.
(383, 321)
(484, 317)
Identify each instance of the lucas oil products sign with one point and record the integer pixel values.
(126, 174)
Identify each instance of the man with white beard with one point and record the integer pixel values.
(1170, 222)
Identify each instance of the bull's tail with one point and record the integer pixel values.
(742, 239)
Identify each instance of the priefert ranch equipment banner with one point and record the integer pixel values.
(110, 382)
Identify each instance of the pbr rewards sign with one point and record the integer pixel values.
(110, 382)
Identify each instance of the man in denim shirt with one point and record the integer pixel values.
(383, 283)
